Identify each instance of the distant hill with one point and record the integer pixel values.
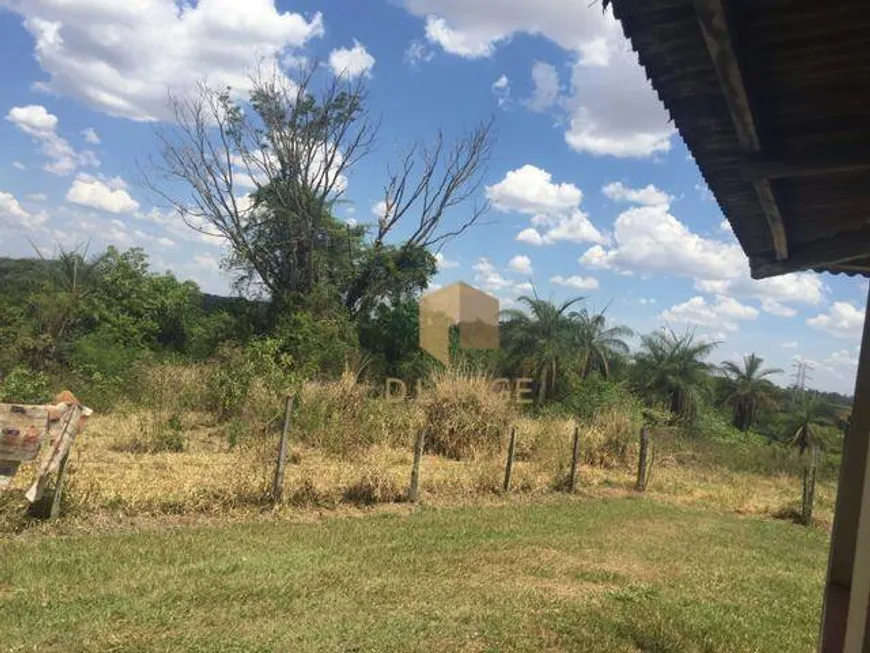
(21, 276)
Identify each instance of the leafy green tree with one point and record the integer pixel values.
(141, 309)
(748, 389)
(542, 340)
(672, 368)
(390, 335)
(598, 344)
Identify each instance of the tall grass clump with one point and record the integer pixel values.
(606, 440)
(328, 414)
(165, 400)
(464, 415)
(608, 414)
(607, 437)
(346, 416)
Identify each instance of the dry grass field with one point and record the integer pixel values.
(108, 481)
(169, 541)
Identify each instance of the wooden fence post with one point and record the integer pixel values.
(575, 460)
(509, 465)
(642, 475)
(414, 489)
(809, 486)
(278, 481)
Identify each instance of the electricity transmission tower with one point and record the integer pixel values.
(801, 376)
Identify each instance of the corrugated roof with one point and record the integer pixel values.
(800, 70)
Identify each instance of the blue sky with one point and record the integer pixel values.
(593, 192)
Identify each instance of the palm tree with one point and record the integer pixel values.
(73, 279)
(748, 389)
(542, 339)
(672, 367)
(811, 412)
(598, 344)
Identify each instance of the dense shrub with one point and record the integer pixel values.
(584, 398)
(103, 368)
(163, 398)
(25, 386)
(608, 435)
(320, 344)
(249, 385)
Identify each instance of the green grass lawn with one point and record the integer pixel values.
(568, 575)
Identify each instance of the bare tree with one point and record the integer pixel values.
(265, 175)
(432, 181)
(429, 183)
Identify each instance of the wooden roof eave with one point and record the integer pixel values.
(714, 27)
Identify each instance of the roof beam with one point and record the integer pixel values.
(808, 165)
(714, 27)
(826, 252)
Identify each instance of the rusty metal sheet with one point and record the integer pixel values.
(8, 469)
(22, 430)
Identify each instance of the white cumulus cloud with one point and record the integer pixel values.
(36, 121)
(121, 57)
(101, 195)
(554, 207)
(351, 62)
(530, 236)
(91, 136)
(521, 264)
(649, 240)
(725, 313)
(501, 88)
(457, 42)
(12, 211)
(649, 195)
(487, 276)
(774, 293)
(577, 282)
(842, 320)
(614, 112)
(546, 86)
(445, 263)
(610, 107)
(531, 190)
